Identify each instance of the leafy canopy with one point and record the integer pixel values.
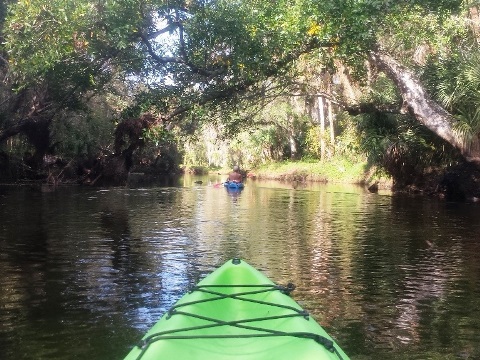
(186, 52)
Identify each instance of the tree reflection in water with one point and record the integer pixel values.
(85, 272)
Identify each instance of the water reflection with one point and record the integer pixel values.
(86, 271)
(234, 193)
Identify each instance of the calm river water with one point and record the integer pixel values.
(85, 272)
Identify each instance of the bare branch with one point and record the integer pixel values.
(169, 28)
(230, 91)
(3, 60)
(163, 60)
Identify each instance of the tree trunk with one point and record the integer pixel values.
(418, 103)
(129, 137)
(291, 138)
(321, 116)
(332, 129)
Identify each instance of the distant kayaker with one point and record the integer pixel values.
(235, 175)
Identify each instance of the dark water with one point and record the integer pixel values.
(85, 272)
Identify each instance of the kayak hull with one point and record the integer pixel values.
(233, 185)
(237, 313)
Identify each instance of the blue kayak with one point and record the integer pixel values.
(233, 185)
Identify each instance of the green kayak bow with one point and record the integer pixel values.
(236, 312)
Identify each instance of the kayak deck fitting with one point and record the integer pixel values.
(236, 312)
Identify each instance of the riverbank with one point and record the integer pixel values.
(460, 182)
(337, 171)
(332, 171)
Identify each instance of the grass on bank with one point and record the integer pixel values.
(333, 171)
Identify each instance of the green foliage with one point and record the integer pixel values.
(435, 31)
(312, 143)
(206, 147)
(382, 92)
(456, 83)
(356, 27)
(151, 100)
(259, 146)
(41, 36)
(158, 134)
(210, 63)
(268, 137)
(347, 141)
(71, 45)
(336, 170)
(400, 145)
(206, 51)
(80, 135)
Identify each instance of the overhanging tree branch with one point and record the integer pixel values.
(227, 92)
(419, 104)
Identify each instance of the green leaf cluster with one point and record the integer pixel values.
(44, 38)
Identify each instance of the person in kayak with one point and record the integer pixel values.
(235, 175)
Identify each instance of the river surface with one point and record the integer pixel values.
(85, 272)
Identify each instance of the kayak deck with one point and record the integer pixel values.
(237, 313)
